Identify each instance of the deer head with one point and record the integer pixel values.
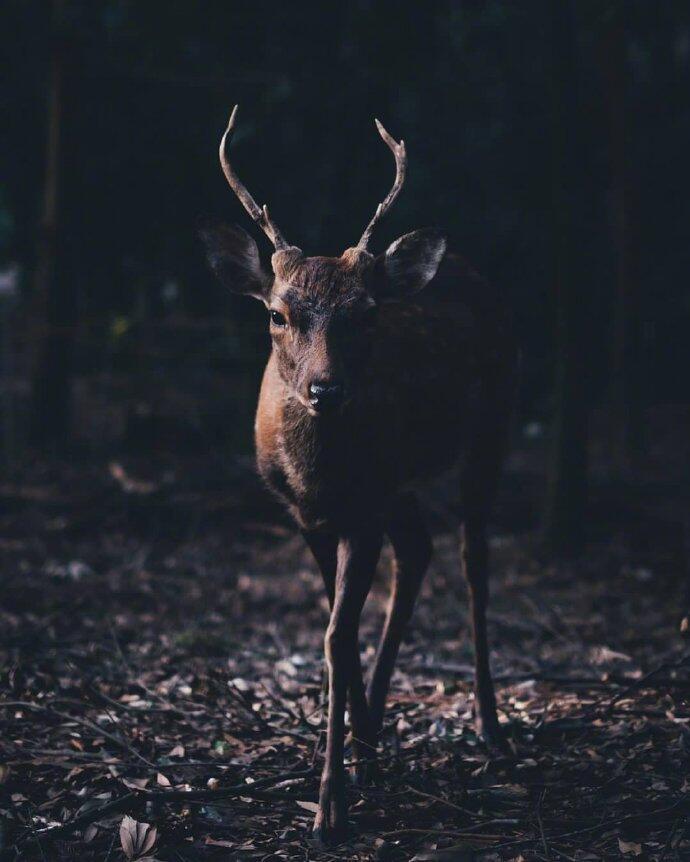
(323, 311)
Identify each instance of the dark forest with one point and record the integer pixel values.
(162, 684)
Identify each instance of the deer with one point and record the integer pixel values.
(385, 370)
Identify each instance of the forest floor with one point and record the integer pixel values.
(161, 664)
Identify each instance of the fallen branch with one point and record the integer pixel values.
(82, 722)
(255, 789)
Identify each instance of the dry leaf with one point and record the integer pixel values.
(629, 847)
(135, 783)
(136, 838)
(308, 806)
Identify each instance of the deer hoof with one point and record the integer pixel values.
(330, 823)
(490, 731)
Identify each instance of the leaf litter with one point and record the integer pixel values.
(165, 702)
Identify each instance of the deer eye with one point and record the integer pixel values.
(277, 319)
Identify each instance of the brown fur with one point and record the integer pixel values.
(405, 423)
(371, 387)
(436, 387)
(424, 380)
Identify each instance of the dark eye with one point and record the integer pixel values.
(277, 319)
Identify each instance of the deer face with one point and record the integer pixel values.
(322, 310)
(322, 320)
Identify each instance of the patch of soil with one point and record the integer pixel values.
(161, 664)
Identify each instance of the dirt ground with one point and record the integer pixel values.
(161, 664)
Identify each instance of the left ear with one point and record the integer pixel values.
(234, 258)
(411, 262)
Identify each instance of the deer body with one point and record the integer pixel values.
(383, 371)
(402, 427)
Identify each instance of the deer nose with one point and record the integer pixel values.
(325, 395)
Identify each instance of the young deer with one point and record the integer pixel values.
(370, 387)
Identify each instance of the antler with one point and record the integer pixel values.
(398, 150)
(259, 214)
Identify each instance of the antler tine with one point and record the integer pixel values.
(400, 155)
(259, 214)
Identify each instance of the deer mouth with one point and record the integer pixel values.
(321, 411)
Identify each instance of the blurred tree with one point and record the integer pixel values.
(51, 319)
(565, 515)
(137, 100)
(627, 432)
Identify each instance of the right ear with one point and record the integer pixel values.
(234, 258)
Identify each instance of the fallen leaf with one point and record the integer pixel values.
(136, 838)
(629, 847)
(219, 843)
(135, 783)
(604, 654)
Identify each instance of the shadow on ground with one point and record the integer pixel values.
(161, 661)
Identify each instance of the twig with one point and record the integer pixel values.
(667, 845)
(257, 788)
(83, 722)
(639, 683)
(606, 824)
(443, 801)
(265, 724)
(135, 710)
(541, 824)
(130, 672)
(445, 832)
(610, 703)
(110, 849)
(300, 718)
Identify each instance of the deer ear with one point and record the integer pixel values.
(234, 258)
(411, 262)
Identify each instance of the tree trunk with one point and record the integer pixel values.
(627, 442)
(564, 522)
(51, 347)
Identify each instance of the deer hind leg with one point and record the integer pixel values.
(475, 568)
(412, 553)
(324, 547)
(356, 562)
(479, 490)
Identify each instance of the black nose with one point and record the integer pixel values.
(325, 395)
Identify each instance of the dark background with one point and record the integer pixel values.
(161, 624)
(550, 139)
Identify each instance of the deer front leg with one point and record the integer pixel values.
(356, 563)
(324, 547)
(412, 552)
